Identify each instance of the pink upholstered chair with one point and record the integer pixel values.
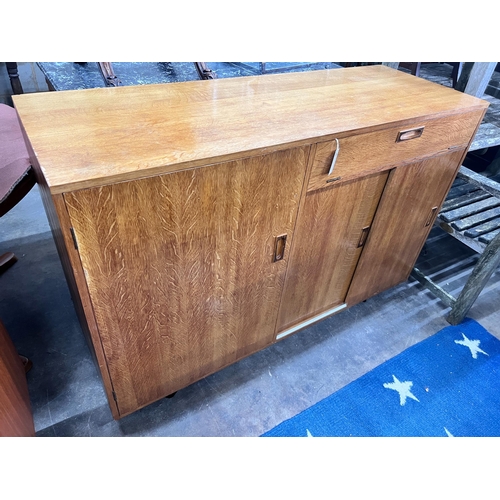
(16, 174)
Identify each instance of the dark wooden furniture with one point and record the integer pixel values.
(112, 80)
(263, 68)
(200, 222)
(15, 82)
(413, 67)
(16, 180)
(474, 77)
(16, 176)
(73, 76)
(16, 419)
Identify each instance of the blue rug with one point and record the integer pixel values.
(446, 385)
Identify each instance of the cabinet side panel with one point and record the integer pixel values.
(57, 215)
(327, 247)
(180, 268)
(72, 266)
(408, 208)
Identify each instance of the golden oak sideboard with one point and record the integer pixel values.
(200, 222)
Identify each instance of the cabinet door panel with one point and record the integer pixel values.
(180, 268)
(328, 241)
(407, 210)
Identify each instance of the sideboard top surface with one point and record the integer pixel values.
(88, 138)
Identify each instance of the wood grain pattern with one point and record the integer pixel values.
(325, 251)
(92, 137)
(402, 224)
(361, 154)
(57, 215)
(180, 268)
(176, 194)
(16, 419)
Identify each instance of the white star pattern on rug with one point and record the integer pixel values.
(403, 388)
(473, 345)
(309, 435)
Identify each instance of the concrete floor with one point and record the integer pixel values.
(245, 399)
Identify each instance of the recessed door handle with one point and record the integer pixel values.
(279, 247)
(431, 216)
(364, 235)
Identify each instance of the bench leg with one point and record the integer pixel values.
(204, 72)
(486, 265)
(15, 82)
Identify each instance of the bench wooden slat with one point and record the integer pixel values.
(452, 204)
(457, 191)
(474, 243)
(474, 220)
(487, 238)
(465, 212)
(458, 182)
(490, 185)
(483, 228)
(487, 136)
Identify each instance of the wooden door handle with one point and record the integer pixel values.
(279, 247)
(431, 216)
(364, 235)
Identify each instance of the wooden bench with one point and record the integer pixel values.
(471, 211)
(471, 214)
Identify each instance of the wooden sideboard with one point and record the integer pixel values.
(200, 222)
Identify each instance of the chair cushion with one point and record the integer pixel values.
(14, 158)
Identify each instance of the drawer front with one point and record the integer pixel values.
(358, 155)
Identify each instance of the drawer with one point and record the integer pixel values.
(366, 153)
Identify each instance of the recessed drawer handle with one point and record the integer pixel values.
(334, 160)
(406, 135)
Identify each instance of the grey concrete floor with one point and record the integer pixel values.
(245, 399)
